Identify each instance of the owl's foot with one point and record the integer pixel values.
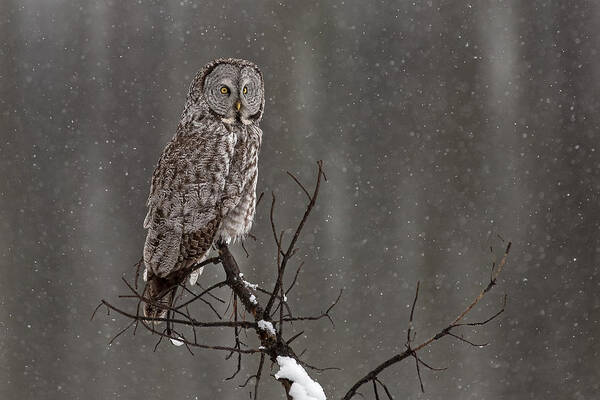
(158, 297)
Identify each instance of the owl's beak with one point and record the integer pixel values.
(238, 104)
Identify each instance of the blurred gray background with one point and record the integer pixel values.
(442, 124)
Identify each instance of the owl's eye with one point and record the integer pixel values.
(245, 90)
(224, 89)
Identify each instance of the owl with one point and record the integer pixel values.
(204, 187)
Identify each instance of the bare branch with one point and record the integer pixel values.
(290, 340)
(488, 288)
(375, 389)
(192, 322)
(273, 229)
(260, 196)
(290, 249)
(237, 341)
(95, 311)
(318, 317)
(487, 320)
(418, 372)
(121, 332)
(462, 339)
(412, 311)
(272, 343)
(295, 278)
(192, 268)
(207, 291)
(411, 352)
(429, 366)
(299, 184)
(387, 392)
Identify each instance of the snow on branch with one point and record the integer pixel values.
(302, 386)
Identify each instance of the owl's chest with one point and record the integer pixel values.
(246, 142)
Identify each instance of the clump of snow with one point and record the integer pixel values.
(266, 326)
(177, 342)
(303, 387)
(253, 299)
(145, 275)
(252, 286)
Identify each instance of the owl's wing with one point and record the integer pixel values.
(185, 202)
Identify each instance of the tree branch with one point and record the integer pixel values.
(268, 332)
(410, 352)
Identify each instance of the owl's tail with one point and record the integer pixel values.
(159, 294)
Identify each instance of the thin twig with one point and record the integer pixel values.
(299, 184)
(291, 247)
(192, 322)
(462, 339)
(318, 317)
(295, 278)
(375, 389)
(290, 340)
(215, 286)
(121, 332)
(412, 311)
(419, 372)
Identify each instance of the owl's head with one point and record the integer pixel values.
(232, 88)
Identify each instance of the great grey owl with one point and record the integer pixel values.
(204, 187)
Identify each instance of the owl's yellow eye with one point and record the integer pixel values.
(224, 90)
(245, 90)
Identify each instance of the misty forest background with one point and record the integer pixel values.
(441, 125)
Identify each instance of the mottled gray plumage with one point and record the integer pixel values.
(204, 187)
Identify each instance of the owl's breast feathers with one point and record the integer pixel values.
(240, 196)
(203, 188)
